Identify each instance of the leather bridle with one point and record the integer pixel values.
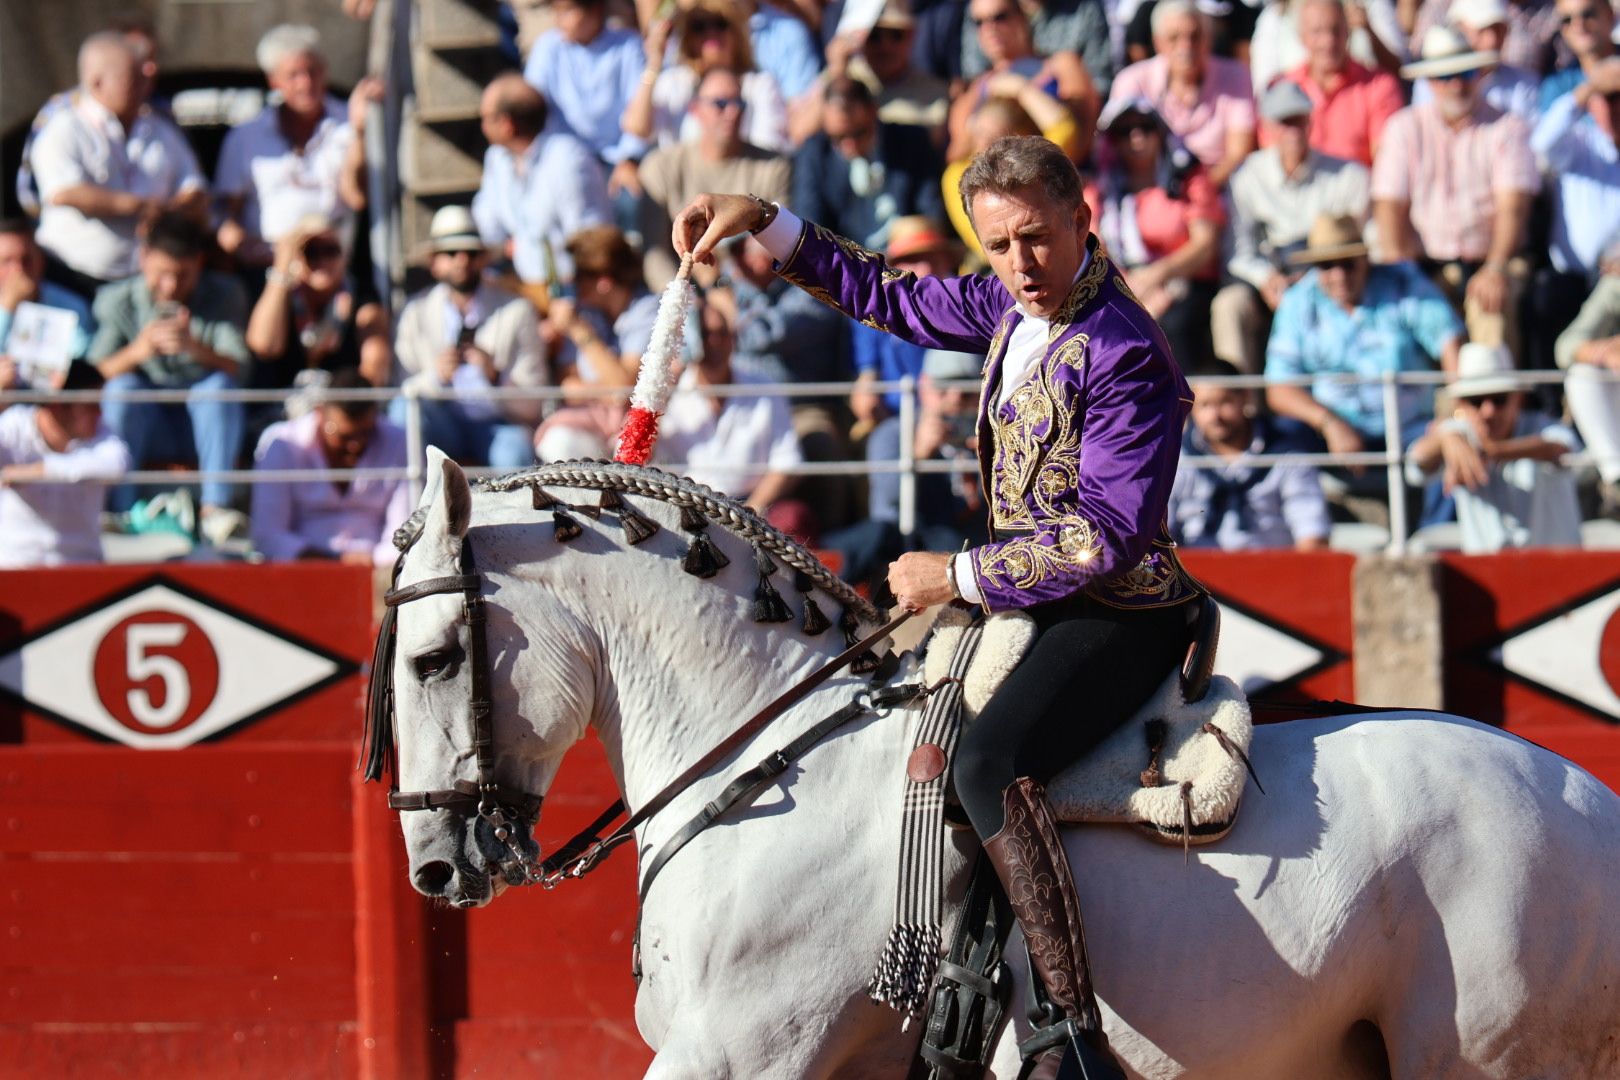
(506, 809)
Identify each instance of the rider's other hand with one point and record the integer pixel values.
(919, 580)
(709, 219)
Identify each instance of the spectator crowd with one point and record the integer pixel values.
(1302, 190)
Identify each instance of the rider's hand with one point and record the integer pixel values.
(709, 219)
(919, 580)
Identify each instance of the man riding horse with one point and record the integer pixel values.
(1078, 536)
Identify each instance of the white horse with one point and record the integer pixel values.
(1413, 895)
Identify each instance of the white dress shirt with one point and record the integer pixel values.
(538, 199)
(732, 448)
(59, 522)
(88, 145)
(278, 183)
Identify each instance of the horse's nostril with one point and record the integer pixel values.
(434, 877)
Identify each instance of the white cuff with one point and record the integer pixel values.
(966, 583)
(781, 236)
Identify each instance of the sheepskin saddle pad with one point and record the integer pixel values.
(1176, 769)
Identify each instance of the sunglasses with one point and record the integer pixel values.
(1456, 76)
(885, 35)
(995, 19)
(1584, 15)
(1345, 264)
(1479, 401)
(322, 251)
(702, 26)
(1125, 131)
(722, 104)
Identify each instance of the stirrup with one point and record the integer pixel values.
(1082, 1060)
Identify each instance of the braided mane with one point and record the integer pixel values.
(677, 491)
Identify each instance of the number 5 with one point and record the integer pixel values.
(141, 665)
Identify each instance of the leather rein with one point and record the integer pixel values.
(505, 809)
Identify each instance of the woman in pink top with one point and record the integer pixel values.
(1009, 44)
(1160, 219)
(1205, 100)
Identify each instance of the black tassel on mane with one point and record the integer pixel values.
(543, 499)
(564, 527)
(815, 620)
(769, 606)
(702, 558)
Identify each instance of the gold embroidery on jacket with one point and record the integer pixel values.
(855, 251)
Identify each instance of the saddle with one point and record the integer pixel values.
(1176, 769)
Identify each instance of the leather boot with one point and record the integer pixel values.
(1034, 869)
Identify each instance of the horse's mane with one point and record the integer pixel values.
(689, 496)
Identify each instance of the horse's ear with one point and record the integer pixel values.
(457, 497)
(447, 497)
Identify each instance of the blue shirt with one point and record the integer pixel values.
(1560, 83)
(53, 295)
(1402, 322)
(589, 86)
(888, 356)
(783, 46)
(1239, 507)
(539, 199)
(1584, 167)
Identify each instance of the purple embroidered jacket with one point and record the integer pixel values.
(1107, 379)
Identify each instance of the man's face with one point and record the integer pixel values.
(718, 106)
(717, 339)
(1034, 245)
(344, 438)
(1003, 31)
(1498, 414)
(1137, 140)
(20, 257)
(1292, 136)
(118, 85)
(1586, 26)
(79, 419)
(146, 52)
(578, 23)
(1325, 35)
(493, 123)
(850, 124)
(1455, 94)
(1485, 38)
(947, 400)
(301, 80)
(170, 279)
(1221, 414)
(1181, 40)
(461, 270)
(888, 50)
(1344, 280)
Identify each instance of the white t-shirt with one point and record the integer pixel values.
(730, 450)
(87, 145)
(60, 522)
(280, 184)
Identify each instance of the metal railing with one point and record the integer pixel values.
(1392, 458)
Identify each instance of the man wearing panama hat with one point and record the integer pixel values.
(1453, 184)
(1350, 316)
(1500, 462)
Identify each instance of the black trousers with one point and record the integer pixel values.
(1091, 667)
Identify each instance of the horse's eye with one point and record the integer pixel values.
(437, 662)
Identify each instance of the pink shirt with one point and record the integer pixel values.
(1225, 102)
(1451, 175)
(1348, 120)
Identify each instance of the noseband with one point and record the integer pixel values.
(503, 808)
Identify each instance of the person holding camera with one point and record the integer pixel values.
(1161, 219)
(176, 326)
(460, 339)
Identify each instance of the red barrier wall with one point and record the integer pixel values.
(238, 905)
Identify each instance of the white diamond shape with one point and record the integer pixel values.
(257, 669)
(1562, 654)
(1256, 655)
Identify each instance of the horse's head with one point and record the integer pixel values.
(452, 688)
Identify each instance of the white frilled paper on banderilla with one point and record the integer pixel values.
(660, 367)
(41, 340)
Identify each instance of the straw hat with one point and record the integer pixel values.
(896, 15)
(1478, 14)
(1483, 370)
(915, 234)
(453, 229)
(1330, 238)
(1446, 52)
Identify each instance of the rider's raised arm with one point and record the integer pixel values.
(959, 313)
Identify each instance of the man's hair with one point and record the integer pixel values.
(519, 102)
(604, 250)
(1336, 5)
(1014, 162)
(718, 69)
(345, 379)
(851, 89)
(177, 234)
(83, 375)
(17, 226)
(286, 40)
(1223, 368)
(1165, 10)
(94, 50)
